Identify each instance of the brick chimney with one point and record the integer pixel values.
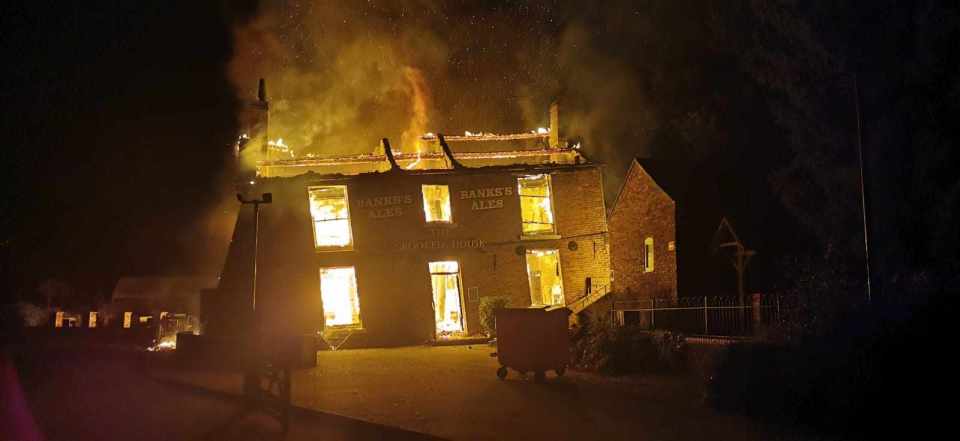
(555, 125)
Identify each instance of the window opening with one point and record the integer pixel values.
(546, 281)
(648, 255)
(436, 203)
(331, 217)
(536, 206)
(338, 292)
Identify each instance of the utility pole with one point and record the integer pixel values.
(863, 197)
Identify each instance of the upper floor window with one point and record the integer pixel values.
(436, 203)
(536, 206)
(648, 255)
(331, 217)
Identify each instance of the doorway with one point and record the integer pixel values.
(447, 298)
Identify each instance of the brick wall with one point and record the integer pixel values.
(643, 210)
(393, 278)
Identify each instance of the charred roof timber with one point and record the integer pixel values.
(388, 152)
(446, 151)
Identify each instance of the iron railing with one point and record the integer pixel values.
(724, 316)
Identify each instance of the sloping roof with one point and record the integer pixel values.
(155, 287)
(672, 176)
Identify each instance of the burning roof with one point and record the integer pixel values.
(429, 151)
(470, 150)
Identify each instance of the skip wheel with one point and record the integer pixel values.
(502, 372)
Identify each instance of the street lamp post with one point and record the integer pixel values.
(266, 198)
(265, 384)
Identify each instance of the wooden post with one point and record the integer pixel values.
(653, 314)
(757, 319)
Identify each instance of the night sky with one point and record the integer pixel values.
(121, 115)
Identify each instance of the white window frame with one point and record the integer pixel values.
(550, 196)
(559, 274)
(349, 219)
(648, 255)
(423, 197)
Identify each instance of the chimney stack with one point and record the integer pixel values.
(555, 125)
(262, 91)
(265, 105)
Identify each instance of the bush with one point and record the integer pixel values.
(602, 346)
(875, 365)
(488, 312)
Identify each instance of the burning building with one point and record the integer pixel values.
(401, 247)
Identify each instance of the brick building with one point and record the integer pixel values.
(400, 247)
(643, 232)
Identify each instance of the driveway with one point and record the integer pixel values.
(453, 392)
(89, 394)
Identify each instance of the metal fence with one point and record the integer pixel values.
(726, 316)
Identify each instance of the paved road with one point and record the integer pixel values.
(453, 392)
(104, 395)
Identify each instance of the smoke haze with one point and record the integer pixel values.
(341, 75)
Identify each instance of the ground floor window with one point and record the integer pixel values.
(546, 282)
(445, 279)
(338, 291)
(127, 319)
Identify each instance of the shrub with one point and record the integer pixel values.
(488, 312)
(600, 345)
(875, 365)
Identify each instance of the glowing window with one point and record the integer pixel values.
(127, 318)
(338, 290)
(546, 281)
(536, 207)
(648, 255)
(92, 322)
(331, 217)
(436, 203)
(58, 320)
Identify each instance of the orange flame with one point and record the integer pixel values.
(419, 101)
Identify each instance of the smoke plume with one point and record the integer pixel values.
(342, 75)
